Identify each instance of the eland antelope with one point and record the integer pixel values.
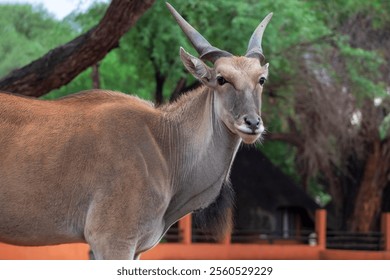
(115, 171)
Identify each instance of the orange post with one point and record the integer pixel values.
(385, 224)
(185, 227)
(321, 228)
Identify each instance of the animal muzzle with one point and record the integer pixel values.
(249, 128)
(252, 124)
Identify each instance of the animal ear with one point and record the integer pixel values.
(196, 67)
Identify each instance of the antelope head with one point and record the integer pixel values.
(237, 81)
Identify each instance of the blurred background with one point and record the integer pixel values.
(326, 104)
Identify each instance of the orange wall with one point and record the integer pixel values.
(197, 251)
(58, 252)
(354, 255)
(230, 252)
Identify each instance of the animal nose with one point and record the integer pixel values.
(253, 122)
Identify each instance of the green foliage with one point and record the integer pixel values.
(153, 44)
(362, 70)
(384, 128)
(336, 12)
(317, 191)
(27, 33)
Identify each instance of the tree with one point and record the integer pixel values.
(338, 128)
(62, 64)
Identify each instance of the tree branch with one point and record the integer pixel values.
(62, 64)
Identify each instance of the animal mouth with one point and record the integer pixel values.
(249, 131)
(247, 134)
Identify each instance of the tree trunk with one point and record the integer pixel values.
(376, 176)
(178, 89)
(62, 64)
(95, 76)
(160, 80)
(182, 87)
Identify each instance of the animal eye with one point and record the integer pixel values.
(262, 80)
(221, 80)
